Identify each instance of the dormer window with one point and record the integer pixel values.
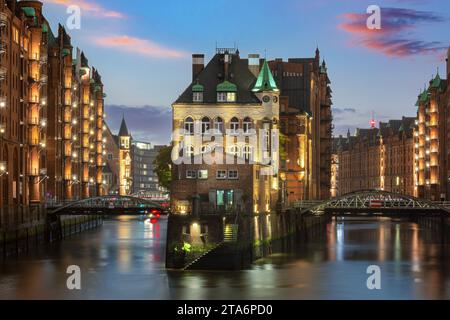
(226, 92)
(197, 96)
(197, 92)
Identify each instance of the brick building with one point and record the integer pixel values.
(228, 102)
(377, 159)
(51, 117)
(432, 139)
(305, 115)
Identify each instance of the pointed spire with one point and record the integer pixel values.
(265, 81)
(317, 52)
(123, 132)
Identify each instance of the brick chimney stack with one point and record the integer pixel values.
(253, 64)
(198, 64)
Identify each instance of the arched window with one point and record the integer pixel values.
(189, 126)
(248, 153)
(206, 123)
(234, 150)
(248, 125)
(218, 125)
(234, 125)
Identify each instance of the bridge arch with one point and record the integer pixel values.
(373, 200)
(107, 204)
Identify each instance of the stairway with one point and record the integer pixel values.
(189, 266)
(230, 233)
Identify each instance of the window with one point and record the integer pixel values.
(231, 96)
(191, 174)
(221, 174)
(110, 156)
(205, 125)
(221, 97)
(234, 125)
(233, 174)
(190, 151)
(189, 126)
(248, 153)
(234, 150)
(202, 174)
(248, 125)
(226, 96)
(197, 96)
(218, 125)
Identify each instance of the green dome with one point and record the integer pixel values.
(226, 86)
(197, 88)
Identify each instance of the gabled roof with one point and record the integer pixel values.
(213, 74)
(265, 81)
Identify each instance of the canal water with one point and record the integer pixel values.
(124, 259)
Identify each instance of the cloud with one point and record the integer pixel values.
(147, 123)
(138, 46)
(90, 7)
(391, 40)
(343, 110)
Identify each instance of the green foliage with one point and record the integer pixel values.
(163, 166)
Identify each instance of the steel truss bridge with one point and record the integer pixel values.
(107, 205)
(374, 202)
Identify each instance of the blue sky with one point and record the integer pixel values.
(143, 50)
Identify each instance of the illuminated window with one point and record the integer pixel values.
(203, 174)
(231, 96)
(248, 153)
(234, 150)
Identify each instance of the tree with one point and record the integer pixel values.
(163, 166)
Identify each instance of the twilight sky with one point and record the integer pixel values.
(143, 50)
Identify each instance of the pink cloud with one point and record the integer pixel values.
(89, 6)
(391, 40)
(138, 46)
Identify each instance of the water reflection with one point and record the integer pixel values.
(125, 260)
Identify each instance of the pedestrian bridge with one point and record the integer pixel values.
(374, 202)
(106, 205)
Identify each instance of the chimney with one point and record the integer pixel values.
(198, 64)
(253, 64)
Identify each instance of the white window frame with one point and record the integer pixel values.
(189, 127)
(234, 126)
(191, 174)
(202, 174)
(221, 97)
(197, 96)
(218, 125)
(221, 178)
(233, 171)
